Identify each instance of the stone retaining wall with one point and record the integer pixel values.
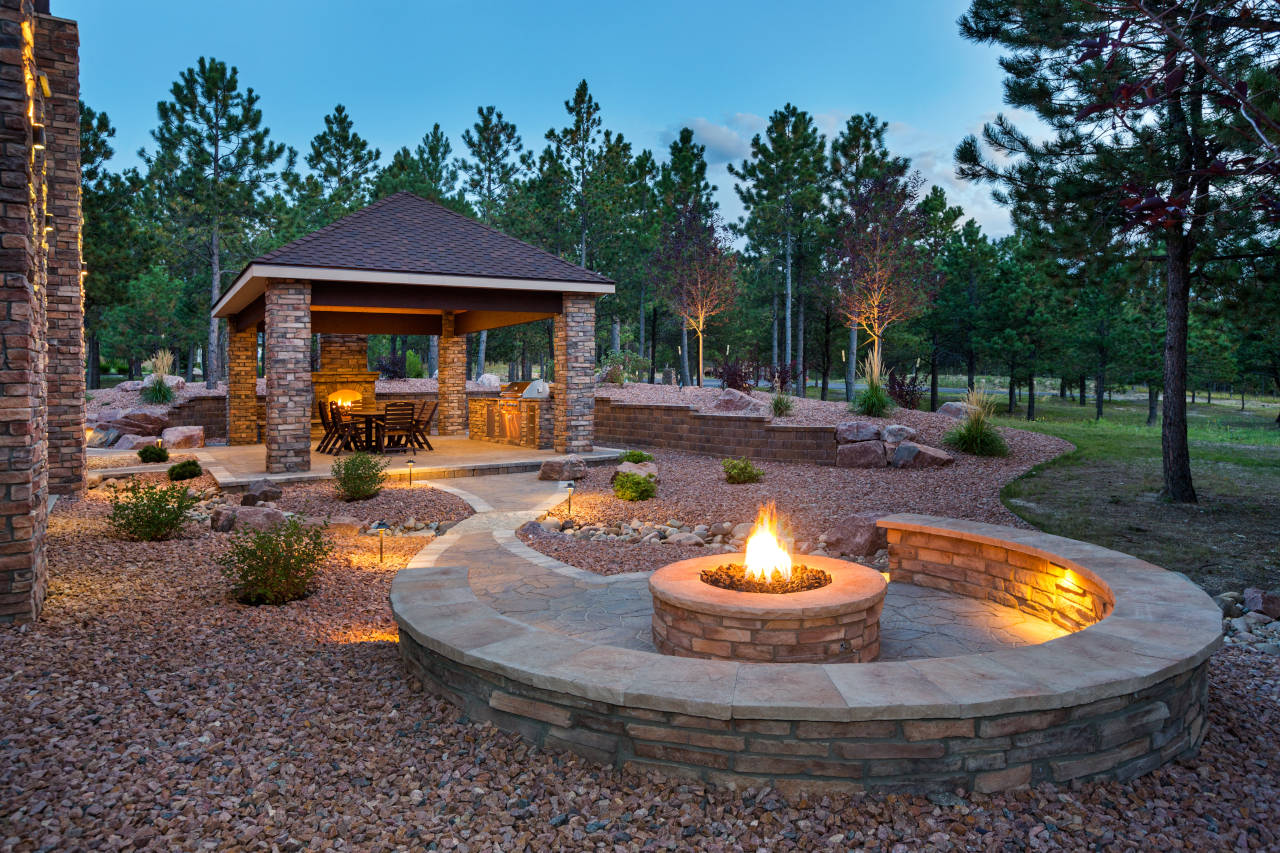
(1113, 700)
(673, 426)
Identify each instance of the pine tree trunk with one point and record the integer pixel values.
(787, 309)
(973, 369)
(1208, 394)
(1153, 402)
(615, 334)
(1176, 455)
(933, 380)
(433, 355)
(191, 362)
(1099, 384)
(1062, 389)
(1083, 393)
(215, 289)
(700, 367)
(643, 321)
(511, 370)
(851, 364)
(684, 354)
(653, 343)
(1031, 397)
(481, 346)
(93, 363)
(1013, 390)
(801, 365)
(773, 335)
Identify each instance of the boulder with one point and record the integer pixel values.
(895, 433)
(257, 517)
(130, 385)
(730, 400)
(105, 417)
(104, 437)
(857, 534)
(222, 519)
(569, 467)
(1262, 601)
(954, 409)
(139, 422)
(177, 438)
(685, 539)
(133, 442)
(644, 469)
(912, 455)
(550, 525)
(488, 380)
(261, 491)
(177, 383)
(743, 530)
(1229, 606)
(532, 529)
(862, 454)
(848, 432)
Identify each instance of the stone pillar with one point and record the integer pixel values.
(452, 416)
(242, 385)
(288, 369)
(24, 495)
(57, 50)
(575, 386)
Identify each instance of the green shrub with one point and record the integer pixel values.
(635, 457)
(149, 511)
(187, 470)
(976, 434)
(276, 565)
(617, 367)
(634, 487)
(153, 453)
(741, 471)
(158, 394)
(782, 405)
(359, 476)
(874, 400)
(412, 365)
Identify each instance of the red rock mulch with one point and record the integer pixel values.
(396, 502)
(146, 710)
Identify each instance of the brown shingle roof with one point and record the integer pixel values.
(407, 233)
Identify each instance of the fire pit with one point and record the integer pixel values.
(824, 610)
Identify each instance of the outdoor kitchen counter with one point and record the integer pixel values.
(527, 422)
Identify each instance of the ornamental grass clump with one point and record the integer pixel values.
(634, 487)
(782, 405)
(159, 392)
(276, 565)
(149, 511)
(188, 470)
(359, 476)
(635, 457)
(976, 434)
(873, 401)
(153, 453)
(740, 471)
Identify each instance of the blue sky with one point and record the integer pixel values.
(653, 66)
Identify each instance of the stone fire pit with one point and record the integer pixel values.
(836, 623)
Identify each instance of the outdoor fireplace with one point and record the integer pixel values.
(759, 605)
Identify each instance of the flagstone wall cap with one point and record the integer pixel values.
(1161, 626)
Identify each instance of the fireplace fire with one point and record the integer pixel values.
(345, 397)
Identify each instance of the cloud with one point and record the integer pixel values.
(726, 142)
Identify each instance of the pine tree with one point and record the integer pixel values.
(214, 160)
(576, 145)
(428, 171)
(495, 148)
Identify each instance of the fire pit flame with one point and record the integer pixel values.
(766, 559)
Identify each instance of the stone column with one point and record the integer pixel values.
(57, 49)
(242, 386)
(575, 357)
(452, 416)
(288, 369)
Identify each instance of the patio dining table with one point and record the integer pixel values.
(371, 415)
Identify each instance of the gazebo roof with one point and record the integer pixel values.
(405, 239)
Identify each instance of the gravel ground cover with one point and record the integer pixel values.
(128, 460)
(394, 504)
(610, 558)
(146, 710)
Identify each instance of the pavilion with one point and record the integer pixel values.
(408, 266)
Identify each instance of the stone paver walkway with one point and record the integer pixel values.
(528, 586)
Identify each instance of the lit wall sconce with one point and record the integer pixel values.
(38, 137)
(48, 223)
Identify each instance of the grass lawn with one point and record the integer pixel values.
(1107, 490)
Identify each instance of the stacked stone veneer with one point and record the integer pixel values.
(41, 304)
(451, 418)
(1014, 577)
(241, 418)
(678, 427)
(288, 369)
(575, 360)
(1111, 701)
(535, 420)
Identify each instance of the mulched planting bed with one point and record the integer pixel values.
(734, 576)
(610, 558)
(146, 710)
(396, 502)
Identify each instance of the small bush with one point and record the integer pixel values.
(873, 401)
(149, 511)
(976, 434)
(158, 394)
(906, 391)
(412, 365)
(618, 367)
(359, 476)
(153, 453)
(736, 374)
(634, 487)
(635, 457)
(782, 405)
(390, 367)
(188, 470)
(741, 471)
(276, 565)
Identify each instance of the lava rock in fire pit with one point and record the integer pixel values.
(734, 577)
